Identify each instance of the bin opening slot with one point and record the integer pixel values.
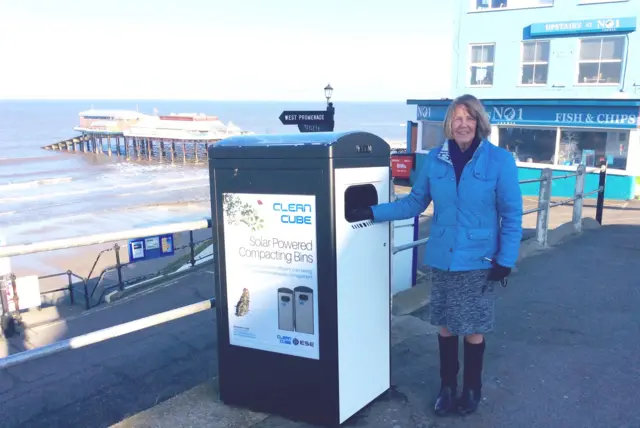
(359, 196)
(285, 298)
(304, 298)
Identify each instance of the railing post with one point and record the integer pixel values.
(392, 240)
(87, 304)
(116, 248)
(579, 202)
(193, 249)
(602, 186)
(414, 255)
(16, 298)
(7, 322)
(70, 287)
(544, 199)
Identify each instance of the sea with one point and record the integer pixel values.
(48, 195)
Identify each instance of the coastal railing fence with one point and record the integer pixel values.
(545, 203)
(167, 150)
(85, 283)
(88, 287)
(544, 206)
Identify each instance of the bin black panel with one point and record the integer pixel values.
(263, 394)
(305, 389)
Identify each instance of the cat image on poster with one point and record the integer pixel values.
(242, 307)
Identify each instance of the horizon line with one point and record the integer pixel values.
(201, 99)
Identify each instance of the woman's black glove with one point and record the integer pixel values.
(498, 272)
(360, 214)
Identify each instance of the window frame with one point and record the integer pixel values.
(471, 64)
(534, 63)
(473, 7)
(600, 61)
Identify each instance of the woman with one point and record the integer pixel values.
(473, 241)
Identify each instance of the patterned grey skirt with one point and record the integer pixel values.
(459, 303)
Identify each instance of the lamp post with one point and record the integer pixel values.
(328, 92)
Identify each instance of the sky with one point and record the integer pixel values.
(286, 50)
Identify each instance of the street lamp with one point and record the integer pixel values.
(328, 91)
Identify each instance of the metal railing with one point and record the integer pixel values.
(544, 205)
(84, 285)
(106, 333)
(83, 241)
(544, 199)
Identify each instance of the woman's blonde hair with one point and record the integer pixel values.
(475, 109)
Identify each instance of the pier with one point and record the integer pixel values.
(132, 148)
(182, 137)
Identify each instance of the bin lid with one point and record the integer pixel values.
(310, 144)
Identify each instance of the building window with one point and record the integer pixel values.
(529, 145)
(535, 62)
(481, 66)
(591, 148)
(479, 5)
(432, 135)
(601, 60)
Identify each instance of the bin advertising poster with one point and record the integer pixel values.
(271, 272)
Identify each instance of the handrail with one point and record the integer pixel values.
(545, 204)
(81, 241)
(106, 333)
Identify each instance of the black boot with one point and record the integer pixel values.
(449, 366)
(472, 388)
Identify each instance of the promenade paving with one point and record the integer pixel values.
(565, 324)
(565, 353)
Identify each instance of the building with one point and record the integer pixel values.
(560, 80)
(107, 121)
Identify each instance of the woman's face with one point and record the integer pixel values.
(463, 126)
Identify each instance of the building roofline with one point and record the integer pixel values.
(603, 102)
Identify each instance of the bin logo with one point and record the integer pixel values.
(298, 342)
(285, 340)
(291, 213)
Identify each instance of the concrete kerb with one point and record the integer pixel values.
(197, 407)
(417, 297)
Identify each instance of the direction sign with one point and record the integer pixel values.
(322, 127)
(304, 117)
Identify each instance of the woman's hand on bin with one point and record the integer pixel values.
(361, 214)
